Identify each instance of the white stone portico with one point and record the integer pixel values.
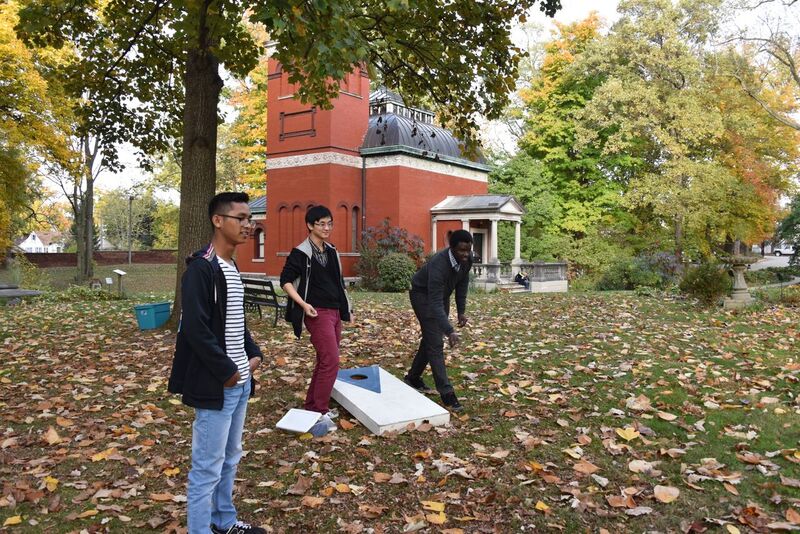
(470, 209)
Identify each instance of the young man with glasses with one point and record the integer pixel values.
(312, 277)
(213, 366)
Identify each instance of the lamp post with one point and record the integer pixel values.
(130, 218)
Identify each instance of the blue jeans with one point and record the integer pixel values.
(216, 451)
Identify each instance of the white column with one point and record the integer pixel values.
(493, 242)
(517, 261)
(433, 235)
(465, 224)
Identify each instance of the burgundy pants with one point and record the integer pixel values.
(326, 333)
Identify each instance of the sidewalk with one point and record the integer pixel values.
(792, 282)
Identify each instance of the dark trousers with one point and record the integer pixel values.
(431, 347)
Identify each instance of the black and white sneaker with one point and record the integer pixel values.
(240, 527)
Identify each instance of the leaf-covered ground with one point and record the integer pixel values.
(585, 412)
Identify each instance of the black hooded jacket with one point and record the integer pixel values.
(201, 366)
(297, 270)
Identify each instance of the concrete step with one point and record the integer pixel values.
(510, 287)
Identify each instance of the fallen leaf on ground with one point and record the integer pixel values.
(792, 516)
(301, 486)
(13, 520)
(436, 519)
(433, 506)
(585, 467)
(51, 436)
(50, 483)
(666, 494)
(312, 502)
(628, 433)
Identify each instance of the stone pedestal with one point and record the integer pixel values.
(493, 270)
(740, 296)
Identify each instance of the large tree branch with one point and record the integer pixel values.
(780, 117)
(780, 52)
(136, 34)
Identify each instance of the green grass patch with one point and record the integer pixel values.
(550, 383)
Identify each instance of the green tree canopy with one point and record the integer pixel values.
(136, 57)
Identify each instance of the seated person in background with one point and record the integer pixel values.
(522, 279)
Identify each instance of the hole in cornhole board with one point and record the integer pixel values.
(359, 377)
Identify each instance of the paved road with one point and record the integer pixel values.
(770, 261)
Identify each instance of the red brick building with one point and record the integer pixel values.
(368, 158)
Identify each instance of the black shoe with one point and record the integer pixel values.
(418, 384)
(240, 527)
(451, 402)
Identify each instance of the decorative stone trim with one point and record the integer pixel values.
(316, 158)
(375, 162)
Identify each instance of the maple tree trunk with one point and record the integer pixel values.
(198, 161)
(679, 239)
(80, 243)
(84, 238)
(88, 229)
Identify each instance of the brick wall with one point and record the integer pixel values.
(108, 257)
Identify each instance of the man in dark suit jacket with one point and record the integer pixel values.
(431, 288)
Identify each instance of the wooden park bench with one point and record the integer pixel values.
(259, 292)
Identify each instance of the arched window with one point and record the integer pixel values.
(258, 252)
(354, 230)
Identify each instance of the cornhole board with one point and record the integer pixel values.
(297, 420)
(382, 402)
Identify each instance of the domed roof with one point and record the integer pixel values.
(390, 129)
(395, 126)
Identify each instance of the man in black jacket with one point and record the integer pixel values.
(213, 366)
(431, 287)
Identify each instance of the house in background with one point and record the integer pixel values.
(369, 158)
(43, 242)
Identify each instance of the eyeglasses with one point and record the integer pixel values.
(324, 224)
(243, 221)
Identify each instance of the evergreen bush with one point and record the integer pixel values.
(657, 270)
(377, 242)
(708, 283)
(395, 272)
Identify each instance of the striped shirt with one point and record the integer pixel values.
(234, 320)
(453, 261)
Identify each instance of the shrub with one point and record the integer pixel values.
(377, 242)
(81, 294)
(395, 272)
(657, 270)
(617, 276)
(27, 275)
(771, 275)
(629, 274)
(707, 283)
